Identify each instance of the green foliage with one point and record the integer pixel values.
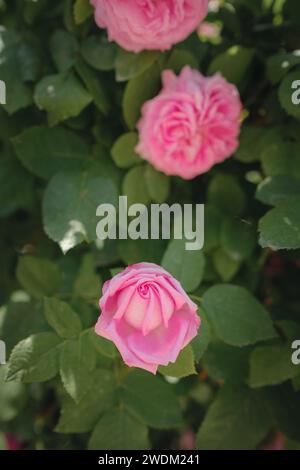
(233, 63)
(68, 134)
(123, 150)
(186, 266)
(117, 429)
(69, 206)
(151, 400)
(62, 96)
(184, 365)
(34, 147)
(62, 318)
(271, 365)
(280, 228)
(39, 277)
(236, 316)
(35, 359)
(237, 419)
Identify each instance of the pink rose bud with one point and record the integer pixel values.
(193, 124)
(12, 442)
(187, 440)
(149, 24)
(209, 30)
(276, 444)
(148, 316)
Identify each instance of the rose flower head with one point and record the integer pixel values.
(148, 316)
(149, 24)
(193, 123)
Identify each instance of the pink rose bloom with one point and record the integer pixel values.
(149, 24)
(148, 316)
(191, 125)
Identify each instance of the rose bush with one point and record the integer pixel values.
(194, 117)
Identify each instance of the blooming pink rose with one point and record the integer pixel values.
(148, 316)
(191, 125)
(149, 24)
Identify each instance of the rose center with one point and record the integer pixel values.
(143, 290)
(155, 8)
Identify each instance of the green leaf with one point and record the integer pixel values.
(16, 188)
(104, 167)
(278, 65)
(226, 363)
(88, 284)
(296, 383)
(39, 277)
(281, 158)
(271, 365)
(284, 404)
(291, 10)
(22, 319)
(118, 430)
(123, 150)
(75, 367)
(104, 346)
(237, 420)
(151, 400)
(179, 59)
(18, 94)
(62, 96)
(35, 359)
(201, 342)
(225, 265)
(12, 397)
(280, 228)
(252, 142)
(34, 147)
(186, 266)
(276, 189)
(94, 85)
(129, 64)
(70, 203)
(138, 90)
(64, 48)
(225, 193)
(32, 10)
(62, 318)
(286, 92)
(233, 63)
(183, 367)
(212, 228)
(81, 417)
(82, 11)
(134, 186)
(158, 184)
(238, 238)
(99, 53)
(236, 316)
(136, 251)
